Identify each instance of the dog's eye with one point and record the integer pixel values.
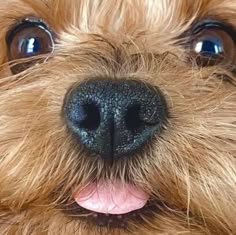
(28, 39)
(212, 45)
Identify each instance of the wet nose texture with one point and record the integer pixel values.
(113, 118)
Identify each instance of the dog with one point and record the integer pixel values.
(118, 117)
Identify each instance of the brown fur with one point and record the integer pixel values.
(191, 169)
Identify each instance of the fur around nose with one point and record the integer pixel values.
(113, 118)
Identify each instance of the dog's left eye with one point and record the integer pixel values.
(213, 44)
(28, 39)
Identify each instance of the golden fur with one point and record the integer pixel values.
(191, 169)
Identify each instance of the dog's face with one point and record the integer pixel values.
(118, 117)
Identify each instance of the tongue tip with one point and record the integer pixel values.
(114, 211)
(111, 198)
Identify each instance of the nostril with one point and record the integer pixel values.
(132, 118)
(89, 117)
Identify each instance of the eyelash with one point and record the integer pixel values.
(211, 24)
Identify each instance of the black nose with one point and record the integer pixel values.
(114, 117)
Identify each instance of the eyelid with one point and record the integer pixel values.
(214, 24)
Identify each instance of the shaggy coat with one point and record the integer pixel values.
(189, 171)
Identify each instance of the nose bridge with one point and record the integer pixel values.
(112, 107)
(114, 103)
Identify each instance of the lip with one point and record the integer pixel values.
(74, 211)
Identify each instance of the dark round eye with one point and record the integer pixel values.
(213, 45)
(28, 39)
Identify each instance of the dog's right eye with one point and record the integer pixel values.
(213, 43)
(28, 39)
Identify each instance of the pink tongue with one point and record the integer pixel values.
(111, 197)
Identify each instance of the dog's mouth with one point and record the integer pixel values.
(115, 198)
(111, 203)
